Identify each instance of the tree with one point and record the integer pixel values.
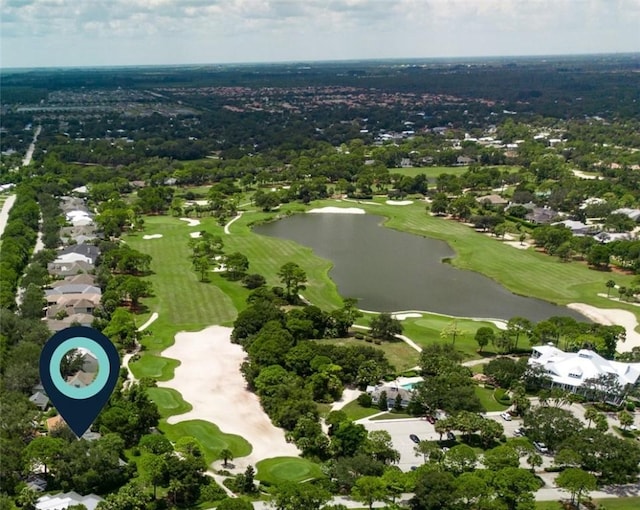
(122, 329)
(294, 496)
(435, 490)
(237, 265)
(517, 326)
(551, 425)
(577, 482)
(380, 447)
(202, 265)
(226, 455)
(590, 414)
(43, 450)
(484, 336)
(33, 302)
(515, 486)
(293, 278)
(460, 458)
(385, 327)
(534, 460)
(610, 285)
(599, 256)
(368, 490)
(625, 418)
(253, 281)
(451, 331)
(154, 468)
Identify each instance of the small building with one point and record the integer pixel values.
(40, 399)
(577, 227)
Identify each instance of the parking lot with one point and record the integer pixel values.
(400, 430)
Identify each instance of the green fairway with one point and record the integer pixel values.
(282, 469)
(434, 171)
(213, 441)
(169, 401)
(153, 366)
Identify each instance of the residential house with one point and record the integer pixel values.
(61, 268)
(493, 199)
(634, 214)
(40, 399)
(83, 319)
(70, 258)
(78, 279)
(64, 500)
(89, 251)
(541, 215)
(577, 227)
(576, 371)
(73, 288)
(81, 379)
(464, 160)
(403, 386)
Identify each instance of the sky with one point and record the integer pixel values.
(45, 33)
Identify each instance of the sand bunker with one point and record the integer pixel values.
(152, 236)
(612, 317)
(209, 379)
(337, 210)
(195, 235)
(399, 202)
(403, 316)
(191, 222)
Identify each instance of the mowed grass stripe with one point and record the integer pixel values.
(181, 298)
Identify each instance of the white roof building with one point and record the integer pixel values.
(570, 370)
(63, 501)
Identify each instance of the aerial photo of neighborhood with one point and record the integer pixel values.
(339, 272)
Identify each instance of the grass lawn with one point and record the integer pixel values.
(293, 469)
(630, 503)
(355, 411)
(399, 354)
(169, 401)
(212, 440)
(392, 416)
(426, 330)
(488, 402)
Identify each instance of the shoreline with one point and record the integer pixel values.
(612, 317)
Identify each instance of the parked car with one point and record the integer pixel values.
(414, 438)
(451, 436)
(431, 419)
(506, 416)
(519, 432)
(541, 447)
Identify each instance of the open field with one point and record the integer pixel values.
(355, 411)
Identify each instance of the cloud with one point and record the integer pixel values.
(286, 29)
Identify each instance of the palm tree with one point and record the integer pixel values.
(226, 455)
(610, 285)
(591, 414)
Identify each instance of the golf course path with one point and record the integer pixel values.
(127, 357)
(235, 218)
(404, 338)
(150, 321)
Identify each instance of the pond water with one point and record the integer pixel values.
(388, 270)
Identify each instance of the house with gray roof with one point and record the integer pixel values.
(40, 399)
(88, 250)
(62, 268)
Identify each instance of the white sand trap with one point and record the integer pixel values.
(518, 244)
(337, 210)
(195, 235)
(191, 222)
(152, 236)
(220, 269)
(403, 316)
(612, 317)
(399, 202)
(209, 379)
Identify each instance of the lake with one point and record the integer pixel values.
(388, 270)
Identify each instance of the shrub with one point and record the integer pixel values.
(364, 400)
(631, 407)
(359, 336)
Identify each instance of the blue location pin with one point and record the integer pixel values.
(79, 406)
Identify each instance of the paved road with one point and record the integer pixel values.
(4, 213)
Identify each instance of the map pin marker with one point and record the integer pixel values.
(79, 404)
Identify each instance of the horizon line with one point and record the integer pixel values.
(323, 61)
